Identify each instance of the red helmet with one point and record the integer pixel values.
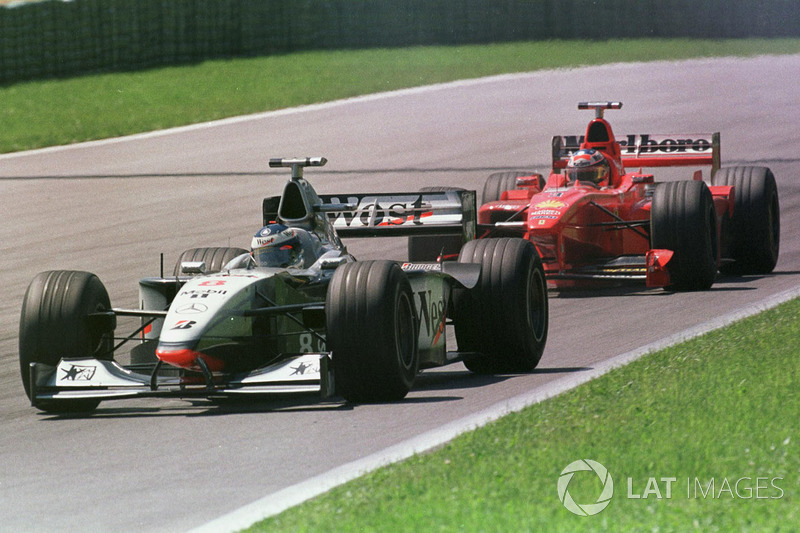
(588, 166)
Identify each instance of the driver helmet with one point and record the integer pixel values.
(588, 166)
(277, 246)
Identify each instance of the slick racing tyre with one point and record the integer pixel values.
(215, 258)
(755, 230)
(498, 183)
(427, 248)
(372, 331)
(503, 320)
(682, 219)
(54, 323)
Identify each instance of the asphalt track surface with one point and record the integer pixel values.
(112, 207)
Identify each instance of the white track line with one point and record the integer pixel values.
(289, 497)
(269, 114)
(336, 103)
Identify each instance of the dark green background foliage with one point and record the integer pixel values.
(56, 38)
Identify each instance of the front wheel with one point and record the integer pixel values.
(504, 319)
(372, 331)
(215, 258)
(682, 219)
(55, 323)
(499, 182)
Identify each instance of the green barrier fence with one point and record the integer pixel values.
(63, 38)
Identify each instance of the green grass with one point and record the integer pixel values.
(62, 111)
(724, 406)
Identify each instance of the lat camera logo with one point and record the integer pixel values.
(585, 509)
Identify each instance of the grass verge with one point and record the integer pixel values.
(714, 420)
(62, 111)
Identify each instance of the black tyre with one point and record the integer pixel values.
(215, 258)
(372, 331)
(755, 228)
(505, 317)
(54, 323)
(682, 219)
(429, 247)
(499, 182)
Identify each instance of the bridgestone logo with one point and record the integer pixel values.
(421, 266)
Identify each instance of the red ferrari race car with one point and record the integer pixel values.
(599, 217)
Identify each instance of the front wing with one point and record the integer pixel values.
(89, 378)
(652, 268)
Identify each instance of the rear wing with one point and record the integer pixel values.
(650, 150)
(448, 212)
(402, 214)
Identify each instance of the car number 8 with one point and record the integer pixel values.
(307, 343)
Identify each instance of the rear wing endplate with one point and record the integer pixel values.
(402, 214)
(650, 150)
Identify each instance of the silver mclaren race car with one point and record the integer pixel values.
(296, 312)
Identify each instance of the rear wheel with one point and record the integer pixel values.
(504, 318)
(430, 247)
(215, 258)
(55, 323)
(682, 219)
(372, 331)
(756, 224)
